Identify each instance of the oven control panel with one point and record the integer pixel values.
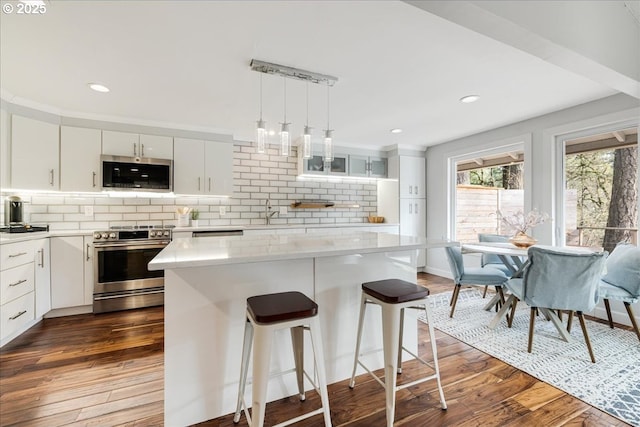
(132, 234)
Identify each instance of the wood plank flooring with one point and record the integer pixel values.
(107, 370)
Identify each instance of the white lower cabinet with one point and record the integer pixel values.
(413, 222)
(42, 276)
(71, 271)
(17, 289)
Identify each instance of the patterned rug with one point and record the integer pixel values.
(612, 384)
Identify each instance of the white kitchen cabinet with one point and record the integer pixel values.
(203, 167)
(410, 172)
(316, 165)
(367, 166)
(136, 145)
(42, 267)
(80, 150)
(5, 167)
(71, 271)
(35, 154)
(413, 222)
(17, 285)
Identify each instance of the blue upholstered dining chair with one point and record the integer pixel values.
(622, 280)
(472, 276)
(558, 279)
(491, 260)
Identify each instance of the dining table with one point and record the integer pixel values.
(515, 259)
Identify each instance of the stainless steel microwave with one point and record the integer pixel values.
(136, 173)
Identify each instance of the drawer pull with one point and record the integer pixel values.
(17, 255)
(18, 282)
(15, 316)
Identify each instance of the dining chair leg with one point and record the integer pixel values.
(560, 315)
(531, 323)
(586, 335)
(510, 318)
(484, 294)
(633, 319)
(607, 306)
(454, 299)
(569, 321)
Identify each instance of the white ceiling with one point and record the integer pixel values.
(185, 64)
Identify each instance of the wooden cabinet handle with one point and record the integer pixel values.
(15, 316)
(17, 283)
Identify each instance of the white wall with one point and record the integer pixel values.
(539, 161)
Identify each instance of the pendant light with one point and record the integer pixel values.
(285, 135)
(328, 136)
(261, 132)
(306, 136)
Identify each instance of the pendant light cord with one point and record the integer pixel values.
(285, 99)
(307, 90)
(260, 96)
(328, 101)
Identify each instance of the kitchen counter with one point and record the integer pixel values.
(200, 252)
(207, 282)
(21, 237)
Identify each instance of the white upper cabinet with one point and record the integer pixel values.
(218, 168)
(5, 167)
(367, 166)
(34, 154)
(411, 177)
(188, 166)
(203, 167)
(136, 145)
(156, 147)
(80, 159)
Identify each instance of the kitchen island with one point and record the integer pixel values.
(207, 282)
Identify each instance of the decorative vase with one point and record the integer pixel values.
(522, 240)
(195, 222)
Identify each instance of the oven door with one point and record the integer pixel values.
(122, 267)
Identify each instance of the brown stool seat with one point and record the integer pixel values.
(394, 291)
(280, 307)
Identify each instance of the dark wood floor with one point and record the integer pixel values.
(107, 370)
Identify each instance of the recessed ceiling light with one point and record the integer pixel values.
(469, 98)
(396, 130)
(98, 87)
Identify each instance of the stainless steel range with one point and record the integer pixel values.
(121, 278)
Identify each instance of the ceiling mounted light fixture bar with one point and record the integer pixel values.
(292, 73)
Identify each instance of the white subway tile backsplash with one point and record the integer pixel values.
(257, 177)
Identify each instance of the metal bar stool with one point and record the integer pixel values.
(393, 296)
(265, 315)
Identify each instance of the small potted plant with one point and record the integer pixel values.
(195, 215)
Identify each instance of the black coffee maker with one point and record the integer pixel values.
(13, 211)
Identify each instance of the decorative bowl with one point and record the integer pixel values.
(376, 219)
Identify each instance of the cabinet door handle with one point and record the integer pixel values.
(15, 316)
(416, 209)
(410, 208)
(416, 190)
(17, 283)
(209, 184)
(135, 150)
(17, 255)
(51, 177)
(41, 252)
(88, 251)
(94, 179)
(141, 150)
(410, 189)
(198, 183)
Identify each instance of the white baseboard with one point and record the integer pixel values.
(438, 272)
(69, 311)
(618, 313)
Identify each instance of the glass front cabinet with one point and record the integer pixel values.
(317, 166)
(367, 166)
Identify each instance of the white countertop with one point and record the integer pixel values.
(200, 252)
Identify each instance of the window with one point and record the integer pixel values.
(486, 186)
(601, 189)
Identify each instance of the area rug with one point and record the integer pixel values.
(612, 384)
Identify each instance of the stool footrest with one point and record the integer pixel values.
(412, 383)
(300, 418)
